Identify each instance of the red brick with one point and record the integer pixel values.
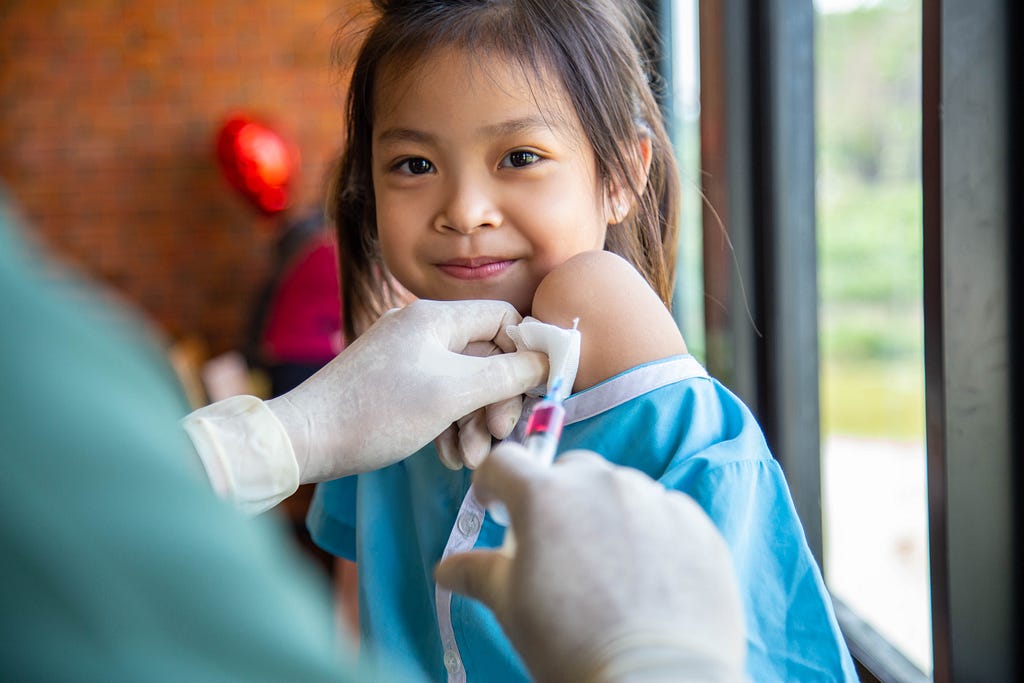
(108, 112)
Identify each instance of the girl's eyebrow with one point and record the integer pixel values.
(406, 135)
(523, 124)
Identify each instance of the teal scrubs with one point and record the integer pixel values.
(668, 419)
(118, 563)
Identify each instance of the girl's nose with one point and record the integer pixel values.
(469, 206)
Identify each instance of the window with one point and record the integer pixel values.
(870, 316)
(683, 107)
(782, 232)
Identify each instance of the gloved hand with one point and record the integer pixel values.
(613, 577)
(405, 381)
(468, 441)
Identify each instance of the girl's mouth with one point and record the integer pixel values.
(475, 268)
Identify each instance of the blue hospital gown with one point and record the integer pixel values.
(668, 419)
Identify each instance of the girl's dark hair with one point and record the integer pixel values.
(599, 50)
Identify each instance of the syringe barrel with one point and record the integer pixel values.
(546, 418)
(543, 430)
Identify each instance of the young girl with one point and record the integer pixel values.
(513, 150)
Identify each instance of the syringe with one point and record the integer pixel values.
(544, 424)
(543, 430)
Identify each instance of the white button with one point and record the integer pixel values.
(451, 661)
(469, 524)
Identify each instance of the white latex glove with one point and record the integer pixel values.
(405, 380)
(467, 441)
(614, 578)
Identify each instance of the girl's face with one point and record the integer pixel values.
(484, 179)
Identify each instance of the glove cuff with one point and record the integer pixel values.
(661, 656)
(245, 451)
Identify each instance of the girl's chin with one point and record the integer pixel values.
(521, 301)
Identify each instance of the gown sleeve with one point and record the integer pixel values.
(119, 563)
(331, 519)
(695, 436)
(793, 634)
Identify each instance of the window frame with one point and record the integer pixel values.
(971, 292)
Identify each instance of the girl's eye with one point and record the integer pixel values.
(415, 166)
(521, 158)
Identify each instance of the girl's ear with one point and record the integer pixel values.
(620, 196)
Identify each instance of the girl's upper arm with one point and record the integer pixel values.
(622, 321)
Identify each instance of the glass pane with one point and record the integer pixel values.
(684, 126)
(868, 63)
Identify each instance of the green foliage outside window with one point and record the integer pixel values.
(869, 220)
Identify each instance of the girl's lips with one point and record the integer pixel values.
(475, 269)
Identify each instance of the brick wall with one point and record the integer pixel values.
(108, 111)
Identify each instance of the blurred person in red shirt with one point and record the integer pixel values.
(295, 325)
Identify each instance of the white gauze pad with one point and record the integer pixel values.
(562, 347)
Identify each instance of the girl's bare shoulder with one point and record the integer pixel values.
(622, 321)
